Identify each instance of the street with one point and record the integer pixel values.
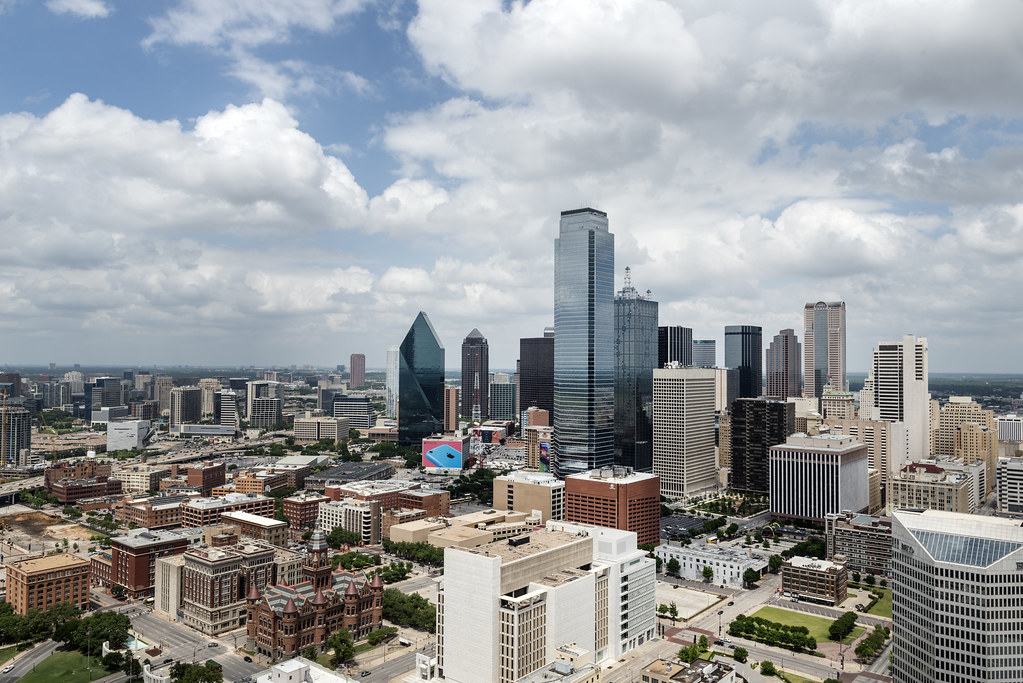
(30, 659)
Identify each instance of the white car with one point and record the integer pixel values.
(7, 669)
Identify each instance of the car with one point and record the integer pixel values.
(247, 658)
(727, 640)
(8, 669)
(364, 674)
(731, 602)
(214, 645)
(168, 660)
(719, 642)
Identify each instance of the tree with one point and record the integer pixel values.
(185, 672)
(884, 583)
(767, 543)
(310, 652)
(381, 634)
(673, 566)
(708, 573)
(740, 654)
(750, 577)
(732, 529)
(341, 536)
(775, 562)
(131, 667)
(662, 609)
(767, 668)
(689, 653)
(856, 577)
(341, 643)
(870, 580)
(704, 644)
(112, 660)
(842, 626)
(673, 611)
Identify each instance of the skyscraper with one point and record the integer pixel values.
(824, 341)
(782, 365)
(391, 383)
(683, 430)
(756, 425)
(475, 376)
(583, 343)
(420, 383)
(899, 375)
(635, 356)
(744, 351)
(705, 353)
(536, 373)
(674, 345)
(357, 371)
(185, 405)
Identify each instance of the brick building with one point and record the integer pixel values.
(200, 512)
(260, 481)
(302, 509)
(617, 498)
(41, 582)
(269, 531)
(161, 512)
(206, 476)
(215, 581)
(285, 620)
(131, 562)
(816, 580)
(71, 482)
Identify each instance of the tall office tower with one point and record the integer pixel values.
(726, 388)
(450, 409)
(502, 399)
(162, 385)
(705, 353)
(832, 470)
(635, 356)
(391, 383)
(227, 409)
(10, 384)
(584, 377)
(536, 373)
(475, 376)
(967, 432)
(683, 430)
(824, 339)
(209, 387)
(15, 434)
(757, 424)
(76, 382)
(259, 388)
(782, 365)
(744, 351)
(675, 345)
(185, 405)
(955, 606)
(899, 374)
(357, 371)
(420, 383)
(266, 412)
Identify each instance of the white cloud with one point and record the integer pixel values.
(85, 9)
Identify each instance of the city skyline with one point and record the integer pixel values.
(388, 154)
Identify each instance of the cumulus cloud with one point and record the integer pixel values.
(85, 9)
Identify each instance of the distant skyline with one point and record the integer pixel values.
(219, 183)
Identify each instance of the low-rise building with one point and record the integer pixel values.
(72, 481)
(863, 540)
(930, 487)
(616, 498)
(128, 435)
(158, 512)
(728, 564)
(140, 478)
(399, 516)
(302, 509)
(530, 491)
(573, 665)
(260, 481)
(257, 527)
(808, 578)
(697, 671)
(39, 583)
(215, 582)
(131, 562)
(315, 429)
(348, 472)
(200, 512)
(301, 670)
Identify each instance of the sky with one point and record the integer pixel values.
(261, 182)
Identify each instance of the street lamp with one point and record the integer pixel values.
(720, 612)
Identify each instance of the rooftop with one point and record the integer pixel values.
(814, 563)
(140, 538)
(539, 540)
(699, 670)
(229, 499)
(41, 564)
(620, 475)
(249, 518)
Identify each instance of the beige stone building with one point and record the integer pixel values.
(930, 487)
(538, 448)
(531, 491)
(967, 432)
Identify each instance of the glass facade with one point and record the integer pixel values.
(583, 344)
(636, 351)
(705, 353)
(744, 351)
(420, 383)
(475, 375)
(783, 366)
(675, 345)
(536, 373)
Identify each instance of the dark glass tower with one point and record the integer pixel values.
(744, 351)
(782, 366)
(420, 383)
(757, 424)
(584, 379)
(675, 345)
(475, 376)
(536, 373)
(635, 359)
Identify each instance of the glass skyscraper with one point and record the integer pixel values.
(420, 383)
(475, 376)
(536, 373)
(824, 347)
(744, 350)
(675, 345)
(636, 356)
(584, 379)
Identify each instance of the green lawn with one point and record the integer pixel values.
(65, 667)
(818, 626)
(7, 653)
(796, 678)
(883, 608)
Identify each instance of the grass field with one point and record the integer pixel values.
(65, 667)
(818, 626)
(883, 608)
(7, 653)
(796, 678)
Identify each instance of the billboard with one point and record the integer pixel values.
(445, 453)
(545, 456)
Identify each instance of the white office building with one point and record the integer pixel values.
(683, 430)
(814, 476)
(1010, 427)
(391, 384)
(127, 435)
(505, 608)
(1009, 479)
(728, 564)
(956, 598)
(899, 377)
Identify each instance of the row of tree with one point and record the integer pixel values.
(424, 553)
(772, 633)
(842, 626)
(411, 610)
(35, 625)
(872, 644)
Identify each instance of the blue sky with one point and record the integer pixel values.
(256, 182)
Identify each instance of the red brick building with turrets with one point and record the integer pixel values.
(285, 620)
